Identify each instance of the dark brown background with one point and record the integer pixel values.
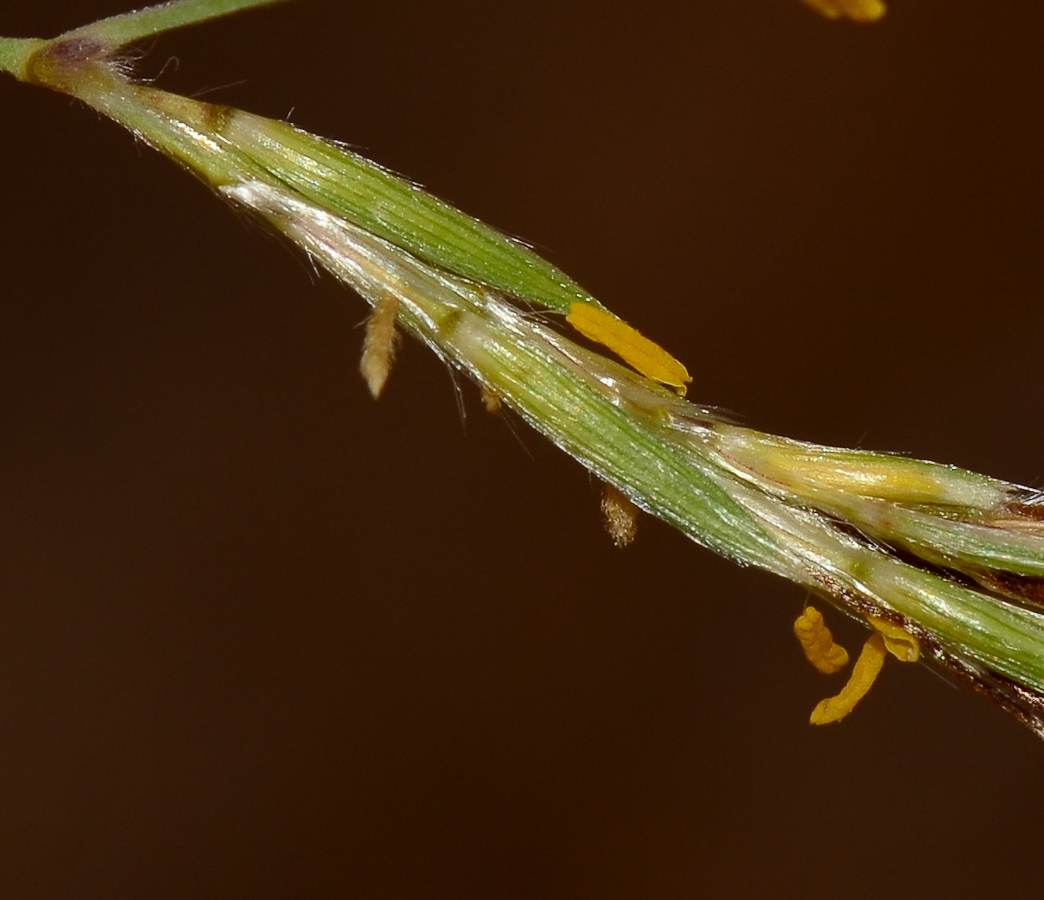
(262, 637)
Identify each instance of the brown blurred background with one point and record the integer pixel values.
(262, 637)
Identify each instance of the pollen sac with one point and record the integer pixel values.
(864, 673)
(856, 10)
(621, 516)
(818, 643)
(900, 643)
(630, 345)
(379, 344)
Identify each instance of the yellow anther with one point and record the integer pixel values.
(635, 349)
(901, 644)
(818, 643)
(865, 670)
(857, 10)
(379, 344)
(621, 516)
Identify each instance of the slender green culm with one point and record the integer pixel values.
(118, 31)
(933, 558)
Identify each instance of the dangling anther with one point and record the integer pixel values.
(856, 10)
(886, 638)
(901, 644)
(630, 345)
(818, 643)
(864, 672)
(621, 516)
(380, 343)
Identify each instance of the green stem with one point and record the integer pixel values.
(15, 54)
(118, 31)
(108, 35)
